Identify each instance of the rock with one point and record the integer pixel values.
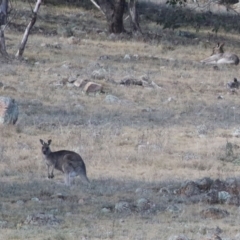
(92, 87)
(143, 204)
(99, 74)
(105, 210)
(223, 196)
(164, 191)
(80, 83)
(8, 110)
(40, 219)
(122, 206)
(104, 57)
(139, 190)
(178, 237)
(127, 57)
(73, 40)
(214, 213)
(72, 79)
(20, 202)
(174, 209)
(111, 99)
(35, 199)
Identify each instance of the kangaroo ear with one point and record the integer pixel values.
(49, 142)
(41, 141)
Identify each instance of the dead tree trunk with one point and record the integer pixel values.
(28, 29)
(113, 11)
(134, 16)
(3, 22)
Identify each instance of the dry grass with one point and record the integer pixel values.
(152, 139)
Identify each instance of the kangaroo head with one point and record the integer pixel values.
(45, 147)
(218, 48)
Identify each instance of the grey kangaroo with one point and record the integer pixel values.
(68, 162)
(220, 57)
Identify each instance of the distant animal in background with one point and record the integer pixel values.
(234, 84)
(220, 57)
(68, 162)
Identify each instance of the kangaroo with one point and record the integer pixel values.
(220, 57)
(68, 162)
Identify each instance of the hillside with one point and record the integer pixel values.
(142, 144)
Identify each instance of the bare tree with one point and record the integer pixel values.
(132, 6)
(113, 10)
(3, 22)
(28, 29)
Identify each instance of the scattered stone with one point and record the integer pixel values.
(155, 85)
(127, 57)
(8, 110)
(186, 34)
(105, 210)
(73, 40)
(174, 208)
(92, 87)
(178, 237)
(65, 66)
(99, 74)
(80, 83)
(20, 202)
(139, 190)
(164, 191)
(1, 84)
(35, 199)
(223, 196)
(143, 204)
(111, 99)
(122, 206)
(214, 213)
(104, 57)
(40, 219)
(72, 79)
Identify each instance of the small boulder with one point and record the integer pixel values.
(111, 99)
(73, 40)
(80, 83)
(122, 206)
(8, 110)
(92, 87)
(99, 74)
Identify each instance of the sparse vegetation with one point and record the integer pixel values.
(140, 143)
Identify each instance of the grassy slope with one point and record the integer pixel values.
(154, 138)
